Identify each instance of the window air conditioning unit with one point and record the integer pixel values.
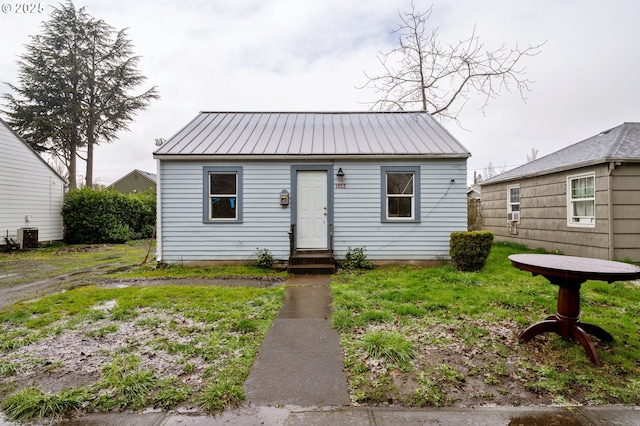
(513, 217)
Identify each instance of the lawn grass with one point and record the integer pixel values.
(467, 323)
(411, 336)
(58, 259)
(116, 261)
(159, 346)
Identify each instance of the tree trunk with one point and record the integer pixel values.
(89, 178)
(72, 166)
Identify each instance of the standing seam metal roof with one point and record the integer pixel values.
(313, 133)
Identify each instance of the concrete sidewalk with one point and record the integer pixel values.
(378, 416)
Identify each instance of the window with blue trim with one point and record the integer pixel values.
(401, 195)
(223, 191)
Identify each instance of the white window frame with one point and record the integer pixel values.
(573, 219)
(207, 195)
(414, 196)
(510, 204)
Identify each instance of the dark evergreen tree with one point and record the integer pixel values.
(74, 85)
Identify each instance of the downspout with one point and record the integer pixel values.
(612, 167)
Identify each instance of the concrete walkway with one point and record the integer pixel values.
(300, 362)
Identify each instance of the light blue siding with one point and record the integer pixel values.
(184, 234)
(265, 224)
(442, 211)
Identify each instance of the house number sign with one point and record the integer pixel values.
(341, 186)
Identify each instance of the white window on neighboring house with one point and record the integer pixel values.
(581, 200)
(513, 203)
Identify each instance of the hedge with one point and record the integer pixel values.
(469, 250)
(107, 216)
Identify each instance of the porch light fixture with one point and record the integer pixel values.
(340, 175)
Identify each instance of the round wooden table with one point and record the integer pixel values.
(568, 273)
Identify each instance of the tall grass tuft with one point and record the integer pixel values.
(31, 403)
(7, 369)
(387, 345)
(222, 394)
(129, 386)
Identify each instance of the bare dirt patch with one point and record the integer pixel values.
(75, 357)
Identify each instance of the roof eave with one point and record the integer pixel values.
(232, 157)
(21, 139)
(497, 179)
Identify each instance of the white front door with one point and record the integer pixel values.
(311, 229)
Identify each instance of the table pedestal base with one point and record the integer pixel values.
(569, 273)
(566, 322)
(568, 328)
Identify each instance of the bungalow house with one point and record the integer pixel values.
(299, 182)
(583, 200)
(135, 182)
(31, 193)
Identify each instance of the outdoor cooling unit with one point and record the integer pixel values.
(513, 217)
(28, 238)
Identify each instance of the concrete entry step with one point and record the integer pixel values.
(312, 262)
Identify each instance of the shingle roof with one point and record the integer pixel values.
(148, 175)
(621, 143)
(313, 134)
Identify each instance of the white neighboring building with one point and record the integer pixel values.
(31, 192)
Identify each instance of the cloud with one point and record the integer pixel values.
(310, 55)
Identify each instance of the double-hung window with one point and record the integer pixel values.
(581, 200)
(222, 194)
(400, 194)
(513, 203)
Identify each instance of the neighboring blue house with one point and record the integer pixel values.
(230, 182)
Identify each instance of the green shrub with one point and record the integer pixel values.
(470, 250)
(107, 216)
(356, 258)
(265, 258)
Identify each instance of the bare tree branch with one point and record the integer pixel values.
(423, 74)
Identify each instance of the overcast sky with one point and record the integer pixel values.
(309, 55)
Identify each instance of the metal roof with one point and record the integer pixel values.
(319, 134)
(621, 143)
